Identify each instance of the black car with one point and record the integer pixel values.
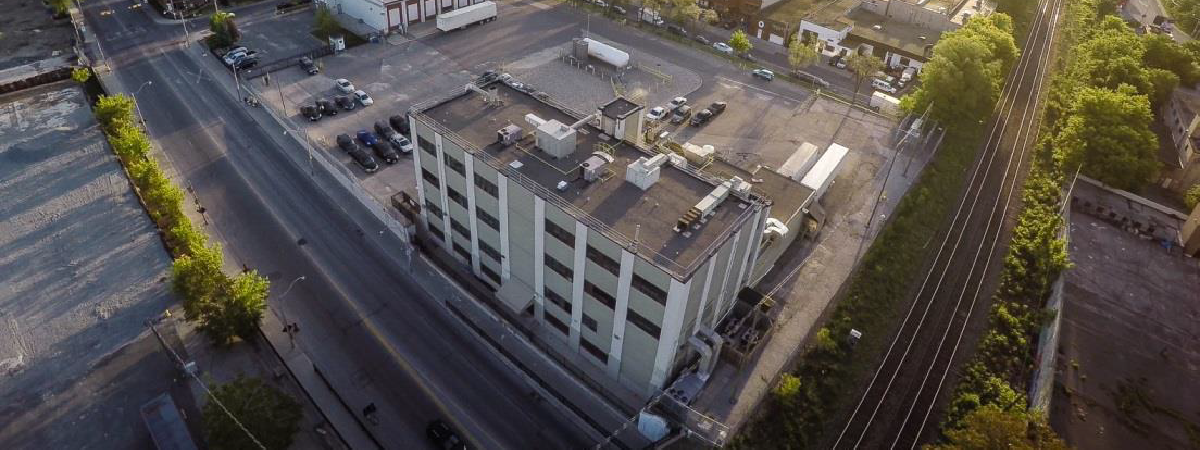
(717, 108)
(444, 437)
(400, 123)
(805, 76)
(486, 77)
(677, 30)
(834, 60)
(701, 117)
(384, 150)
(345, 102)
(346, 143)
(307, 64)
(382, 129)
(747, 56)
(246, 63)
(327, 107)
(313, 113)
(364, 159)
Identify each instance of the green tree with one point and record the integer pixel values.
(962, 81)
(270, 415)
(325, 24)
(224, 32)
(60, 7)
(1162, 52)
(863, 67)
(802, 54)
(114, 109)
(197, 277)
(1162, 84)
(740, 42)
(81, 75)
(129, 142)
(1192, 197)
(237, 309)
(990, 427)
(1108, 133)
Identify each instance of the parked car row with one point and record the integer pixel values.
(387, 142)
(678, 111)
(238, 58)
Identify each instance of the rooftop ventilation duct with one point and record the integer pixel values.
(644, 172)
(707, 205)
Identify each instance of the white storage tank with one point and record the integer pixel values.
(607, 53)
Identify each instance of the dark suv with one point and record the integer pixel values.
(701, 117)
(384, 150)
(327, 107)
(313, 113)
(345, 102)
(444, 437)
(400, 123)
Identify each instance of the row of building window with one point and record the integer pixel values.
(599, 294)
(491, 274)
(559, 268)
(430, 177)
(489, 250)
(433, 209)
(648, 288)
(594, 350)
(486, 185)
(427, 146)
(436, 232)
(460, 229)
(462, 251)
(553, 321)
(453, 163)
(490, 220)
(559, 233)
(644, 324)
(557, 300)
(456, 197)
(602, 260)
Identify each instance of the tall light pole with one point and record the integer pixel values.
(138, 104)
(312, 170)
(287, 326)
(187, 38)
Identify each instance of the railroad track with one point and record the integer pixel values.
(898, 402)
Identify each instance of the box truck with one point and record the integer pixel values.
(466, 16)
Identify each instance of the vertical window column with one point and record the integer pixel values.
(620, 314)
(539, 257)
(505, 270)
(580, 265)
(668, 340)
(441, 167)
(469, 162)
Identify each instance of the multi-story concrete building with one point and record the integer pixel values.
(621, 252)
(1181, 118)
(395, 15)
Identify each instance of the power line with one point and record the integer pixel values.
(150, 323)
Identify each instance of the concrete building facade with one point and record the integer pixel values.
(395, 16)
(622, 252)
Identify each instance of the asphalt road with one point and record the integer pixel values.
(272, 217)
(902, 405)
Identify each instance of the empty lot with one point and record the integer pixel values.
(81, 266)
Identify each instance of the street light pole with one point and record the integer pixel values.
(187, 38)
(312, 170)
(137, 104)
(287, 326)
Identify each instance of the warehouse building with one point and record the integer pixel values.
(624, 252)
(394, 16)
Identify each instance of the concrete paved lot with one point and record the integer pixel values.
(31, 34)
(81, 268)
(279, 37)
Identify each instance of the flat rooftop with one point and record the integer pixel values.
(905, 37)
(822, 13)
(611, 204)
(1127, 368)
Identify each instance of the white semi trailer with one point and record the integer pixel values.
(466, 16)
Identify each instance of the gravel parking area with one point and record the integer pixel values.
(81, 265)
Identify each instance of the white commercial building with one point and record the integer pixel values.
(622, 253)
(391, 16)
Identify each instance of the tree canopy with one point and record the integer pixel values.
(270, 415)
(224, 31)
(802, 54)
(964, 78)
(1108, 133)
(740, 42)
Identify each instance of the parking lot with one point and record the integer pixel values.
(279, 37)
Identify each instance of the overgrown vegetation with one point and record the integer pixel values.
(224, 31)
(796, 410)
(267, 413)
(324, 24)
(226, 307)
(1097, 121)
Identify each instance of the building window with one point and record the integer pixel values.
(599, 294)
(487, 218)
(452, 163)
(649, 289)
(460, 229)
(905, 61)
(559, 233)
(486, 185)
(462, 251)
(557, 300)
(432, 208)
(603, 261)
(490, 274)
(430, 177)
(456, 196)
(427, 146)
(553, 321)
(488, 250)
(644, 324)
(594, 350)
(559, 268)
(436, 232)
(590, 323)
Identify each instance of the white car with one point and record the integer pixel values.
(344, 85)
(656, 113)
(233, 56)
(400, 142)
(723, 48)
(677, 102)
(884, 86)
(363, 98)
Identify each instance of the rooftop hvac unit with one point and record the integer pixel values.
(644, 172)
(593, 167)
(509, 135)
